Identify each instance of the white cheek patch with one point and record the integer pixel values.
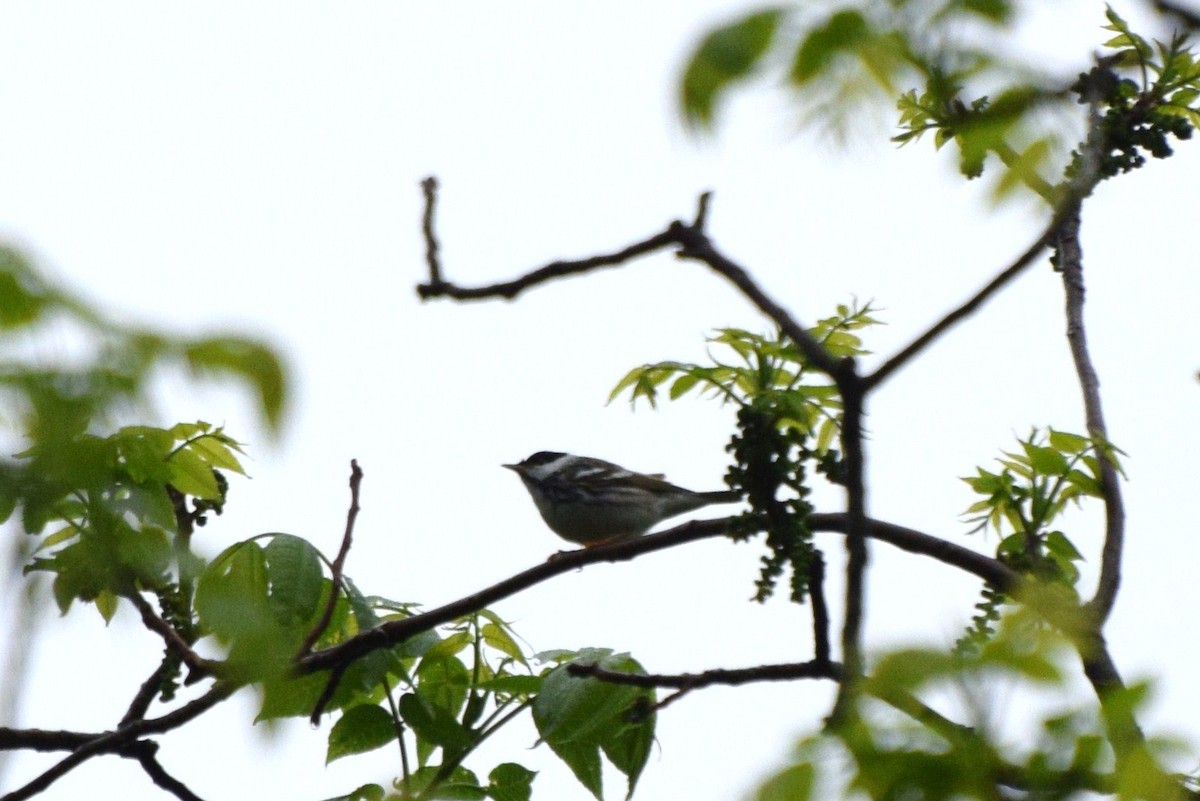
(543, 470)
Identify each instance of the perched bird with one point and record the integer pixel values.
(591, 502)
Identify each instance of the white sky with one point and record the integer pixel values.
(254, 166)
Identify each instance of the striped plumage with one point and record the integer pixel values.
(591, 501)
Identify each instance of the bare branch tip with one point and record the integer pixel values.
(702, 205)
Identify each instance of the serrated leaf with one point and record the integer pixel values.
(360, 729)
(1046, 461)
(1057, 543)
(682, 385)
(191, 475)
(1069, 443)
(449, 646)
(498, 638)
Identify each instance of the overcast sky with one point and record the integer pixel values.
(255, 167)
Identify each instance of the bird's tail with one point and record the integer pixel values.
(720, 496)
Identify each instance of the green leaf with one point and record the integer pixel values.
(191, 475)
(449, 646)
(251, 361)
(217, 450)
(360, 729)
(1069, 443)
(1046, 461)
(1058, 544)
(512, 685)
(443, 682)
(106, 605)
(498, 638)
(727, 54)
(997, 11)
(579, 717)
(682, 385)
(20, 301)
(460, 785)
(367, 792)
(511, 782)
(433, 723)
(842, 32)
(909, 669)
(296, 578)
(793, 784)
(231, 594)
(291, 697)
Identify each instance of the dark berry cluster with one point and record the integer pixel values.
(769, 470)
(1134, 123)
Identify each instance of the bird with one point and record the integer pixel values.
(593, 502)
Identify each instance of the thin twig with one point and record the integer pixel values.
(695, 244)
(553, 271)
(170, 636)
(158, 774)
(339, 563)
(1190, 19)
(820, 610)
(965, 310)
(429, 187)
(145, 694)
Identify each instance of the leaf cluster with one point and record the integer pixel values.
(1022, 501)
(789, 414)
(922, 56)
(1139, 114)
(898, 745)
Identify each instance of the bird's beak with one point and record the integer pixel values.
(516, 468)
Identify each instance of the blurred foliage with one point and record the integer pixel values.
(788, 417)
(925, 57)
(897, 745)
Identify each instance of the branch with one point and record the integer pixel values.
(145, 694)
(965, 310)
(172, 637)
(692, 242)
(851, 388)
(1071, 263)
(121, 741)
(695, 244)
(429, 187)
(686, 682)
(397, 631)
(820, 611)
(991, 570)
(158, 774)
(1189, 18)
(356, 476)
